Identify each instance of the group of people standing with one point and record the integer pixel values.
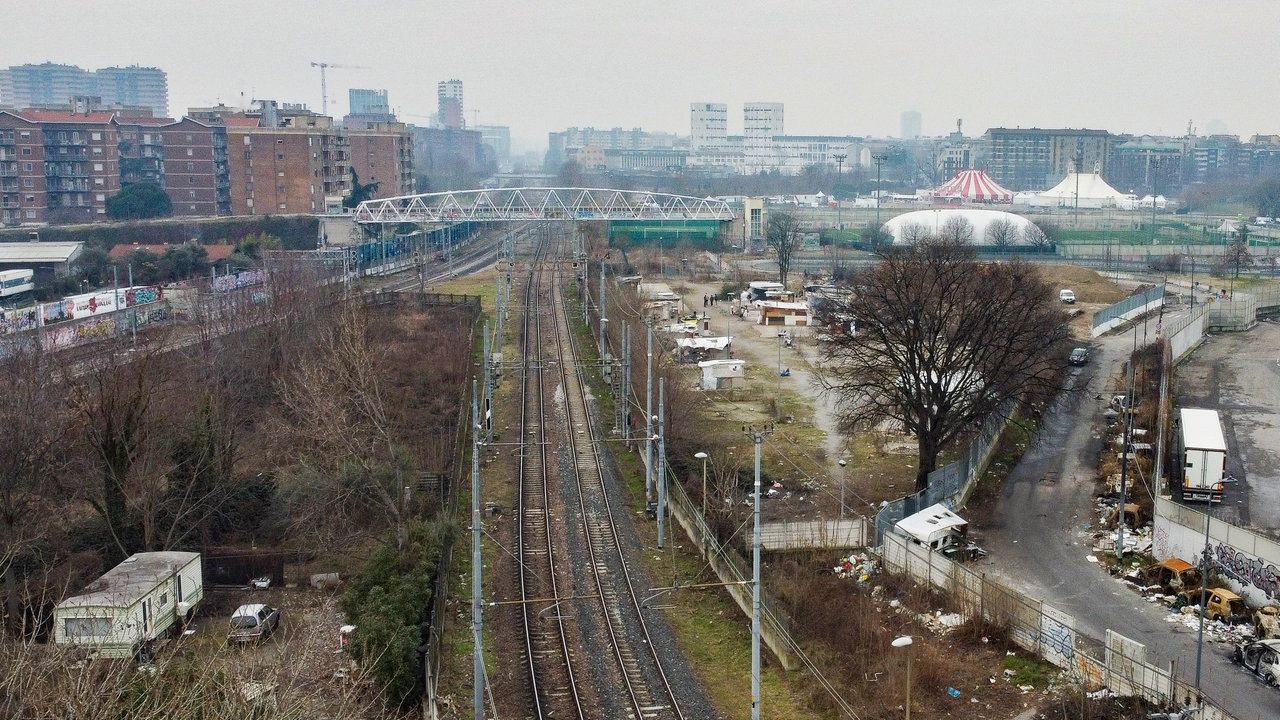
(708, 300)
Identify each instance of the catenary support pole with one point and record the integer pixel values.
(476, 587)
(648, 416)
(662, 460)
(757, 436)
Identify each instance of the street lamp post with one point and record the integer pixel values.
(843, 463)
(757, 435)
(905, 642)
(703, 457)
(879, 158)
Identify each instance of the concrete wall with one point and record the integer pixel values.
(1247, 560)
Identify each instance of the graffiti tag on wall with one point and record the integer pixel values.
(1248, 570)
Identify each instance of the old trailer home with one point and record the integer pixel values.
(132, 604)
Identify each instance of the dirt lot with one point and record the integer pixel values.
(302, 655)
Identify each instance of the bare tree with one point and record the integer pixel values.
(956, 229)
(119, 401)
(1002, 232)
(914, 232)
(340, 410)
(942, 342)
(783, 235)
(32, 430)
(1034, 236)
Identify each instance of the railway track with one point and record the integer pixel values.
(627, 673)
(554, 690)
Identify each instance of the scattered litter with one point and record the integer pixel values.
(1091, 558)
(953, 692)
(1026, 688)
(856, 566)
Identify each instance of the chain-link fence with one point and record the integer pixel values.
(1126, 309)
(1116, 662)
(952, 483)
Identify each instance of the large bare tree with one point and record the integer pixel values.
(32, 451)
(783, 236)
(956, 229)
(940, 342)
(1002, 232)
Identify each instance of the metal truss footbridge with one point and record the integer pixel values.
(516, 204)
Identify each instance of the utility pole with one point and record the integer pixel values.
(1124, 449)
(662, 461)
(626, 383)
(133, 314)
(757, 436)
(477, 639)
(648, 414)
(839, 158)
(879, 159)
(603, 319)
(488, 386)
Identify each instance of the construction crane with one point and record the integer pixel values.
(324, 89)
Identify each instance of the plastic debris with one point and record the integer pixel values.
(953, 692)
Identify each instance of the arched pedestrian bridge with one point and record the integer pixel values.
(516, 204)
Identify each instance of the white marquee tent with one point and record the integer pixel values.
(1090, 189)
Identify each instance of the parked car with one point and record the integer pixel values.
(251, 623)
(1067, 296)
(1260, 657)
(1079, 356)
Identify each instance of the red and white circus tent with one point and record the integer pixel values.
(972, 186)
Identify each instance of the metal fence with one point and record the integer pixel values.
(1116, 662)
(1128, 305)
(952, 483)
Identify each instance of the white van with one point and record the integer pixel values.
(1067, 297)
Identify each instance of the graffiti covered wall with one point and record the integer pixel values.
(1249, 562)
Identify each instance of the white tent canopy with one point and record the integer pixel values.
(1089, 190)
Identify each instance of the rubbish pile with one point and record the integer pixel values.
(1214, 630)
(857, 566)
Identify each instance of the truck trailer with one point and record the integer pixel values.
(1204, 456)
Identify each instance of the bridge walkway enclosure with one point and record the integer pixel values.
(516, 204)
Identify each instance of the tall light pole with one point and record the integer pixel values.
(757, 436)
(843, 463)
(879, 159)
(905, 642)
(703, 457)
(1155, 186)
(839, 158)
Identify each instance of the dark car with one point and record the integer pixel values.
(251, 623)
(1079, 356)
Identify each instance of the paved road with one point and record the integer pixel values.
(1038, 543)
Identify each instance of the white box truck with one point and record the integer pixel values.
(1204, 455)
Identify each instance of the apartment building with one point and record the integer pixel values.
(286, 159)
(57, 166)
(195, 167)
(383, 153)
(708, 126)
(1037, 159)
(46, 84)
(291, 168)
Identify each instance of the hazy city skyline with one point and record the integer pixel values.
(1143, 67)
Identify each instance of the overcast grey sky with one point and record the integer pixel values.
(840, 67)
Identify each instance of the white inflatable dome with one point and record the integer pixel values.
(933, 220)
